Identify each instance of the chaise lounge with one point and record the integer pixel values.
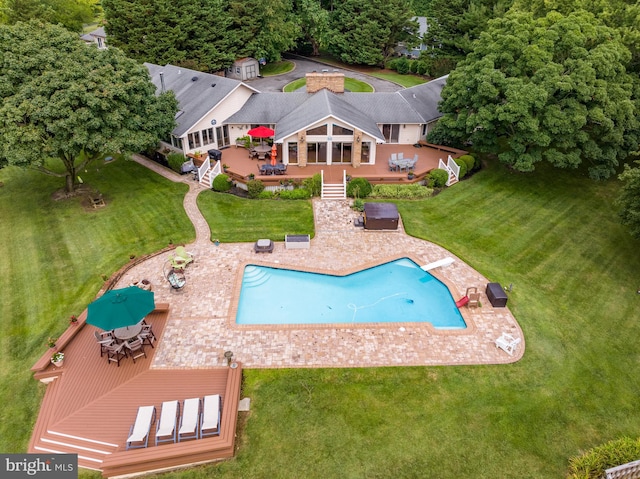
(139, 431)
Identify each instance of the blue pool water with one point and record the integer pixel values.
(393, 292)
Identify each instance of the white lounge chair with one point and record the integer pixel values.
(189, 420)
(139, 431)
(210, 425)
(507, 343)
(166, 428)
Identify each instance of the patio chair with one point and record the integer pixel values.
(210, 425)
(189, 419)
(393, 165)
(401, 156)
(176, 279)
(474, 297)
(167, 426)
(507, 343)
(104, 339)
(181, 258)
(136, 349)
(115, 352)
(146, 335)
(139, 431)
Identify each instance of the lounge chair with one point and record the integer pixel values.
(167, 426)
(181, 258)
(190, 419)
(507, 343)
(139, 431)
(210, 425)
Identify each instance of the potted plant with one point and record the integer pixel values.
(57, 359)
(410, 175)
(251, 176)
(51, 342)
(216, 242)
(225, 167)
(73, 320)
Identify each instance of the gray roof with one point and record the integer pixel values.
(384, 107)
(267, 108)
(197, 92)
(424, 98)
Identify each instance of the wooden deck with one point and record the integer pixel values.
(89, 406)
(240, 166)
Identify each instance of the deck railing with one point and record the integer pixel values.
(202, 169)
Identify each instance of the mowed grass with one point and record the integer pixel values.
(55, 253)
(553, 234)
(406, 81)
(277, 68)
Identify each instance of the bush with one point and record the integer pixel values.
(403, 66)
(254, 188)
(414, 191)
(423, 68)
(267, 195)
(413, 66)
(221, 183)
(175, 161)
(393, 64)
(313, 184)
(593, 463)
(438, 178)
(358, 204)
(359, 188)
(463, 168)
(470, 161)
(297, 194)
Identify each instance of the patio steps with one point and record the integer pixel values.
(333, 191)
(91, 454)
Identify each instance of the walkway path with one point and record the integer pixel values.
(201, 323)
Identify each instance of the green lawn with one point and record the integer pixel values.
(350, 84)
(276, 68)
(406, 81)
(553, 234)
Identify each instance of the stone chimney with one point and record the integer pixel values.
(332, 81)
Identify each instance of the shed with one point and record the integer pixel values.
(381, 216)
(244, 69)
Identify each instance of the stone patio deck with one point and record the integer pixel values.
(201, 325)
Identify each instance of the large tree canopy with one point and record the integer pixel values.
(191, 33)
(367, 32)
(553, 88)
(629, 200)
(70, 13)
(67, 100)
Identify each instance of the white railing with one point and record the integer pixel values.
(451, 167)
(334, 189)
(203, 169)
(628, 470)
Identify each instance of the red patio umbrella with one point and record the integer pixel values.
(261, 132)
(274, 153)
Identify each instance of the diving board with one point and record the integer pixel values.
(438, 264)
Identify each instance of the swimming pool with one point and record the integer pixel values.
(398, 291)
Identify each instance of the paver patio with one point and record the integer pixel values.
(201, 325)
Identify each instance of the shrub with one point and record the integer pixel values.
(267, 195)
(593, 463)
(298, 194)
(254, 188)
(463, 168)
(438, 178)
(221, 183)
(358, 204)
(413, 66)
(402, 66)
(423, 68)
(359, 188)
(313, 184)
(393, 64)
(175, 161)
(414, 191)
(470, 161)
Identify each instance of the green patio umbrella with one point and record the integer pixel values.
(119, 308)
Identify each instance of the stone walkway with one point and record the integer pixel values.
(201, 325)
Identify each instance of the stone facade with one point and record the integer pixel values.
(332, 81)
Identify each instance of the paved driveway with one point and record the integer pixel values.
(304, 66)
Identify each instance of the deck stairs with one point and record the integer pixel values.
(206, 173)
(334, 191)
(452, 168)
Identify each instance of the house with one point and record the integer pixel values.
(322, 125)
(97, 36)
(414, 52)
(243, 69)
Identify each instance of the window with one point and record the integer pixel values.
(207, 136)
(177, 142)
(365, 156)
(223, 135)
(318, 130)
(194, 140)
(340, 152)
(391, 133)
(317, 152)
(341, 130)
(293, 152)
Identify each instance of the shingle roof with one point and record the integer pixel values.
(197, 92)
(424, 98)
(384, 107)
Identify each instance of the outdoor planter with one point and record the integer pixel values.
(57, 359)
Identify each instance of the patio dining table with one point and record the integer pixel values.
(128, 332)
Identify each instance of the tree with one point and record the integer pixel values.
(70, 13)
(68, 101)
(629, 199)
(553, 88)
(263, 28)
(367, 32)
(193, 34)
(314, 24)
